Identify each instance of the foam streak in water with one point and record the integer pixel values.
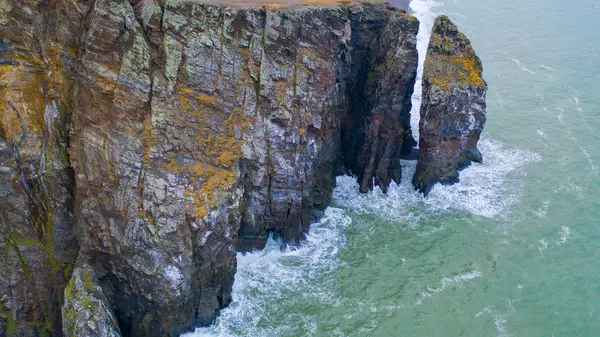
(449, 281)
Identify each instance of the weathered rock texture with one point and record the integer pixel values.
(150, 140)
(315, 64)
(453, 108)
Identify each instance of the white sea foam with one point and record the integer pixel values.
(424, 10)
(543, 210)
(565, 233)
(446, 282)
(541, 133)
(518, 63)
(484, 190)
(484, 311)
(543, 245)
(270, 275)
(500, 322)
(546, 67)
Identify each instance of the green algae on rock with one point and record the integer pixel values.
(87, 311)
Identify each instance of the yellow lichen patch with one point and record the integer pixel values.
(274, 6)
(461, 70)
(307, 52)
(147, 139)
(411, 18)
(210, 180)
(27, 85)
(211, 170)
(10, 120)
(227, 158)
(110, 173)
(206, 99)
(186, 91)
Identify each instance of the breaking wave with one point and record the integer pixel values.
(266, 278)
(484, 189)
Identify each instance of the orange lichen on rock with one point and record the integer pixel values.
(211, 180)
(27, 85)
(220, 141)
(461, 70)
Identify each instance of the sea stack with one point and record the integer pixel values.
(453, 108)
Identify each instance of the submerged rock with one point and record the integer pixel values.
(453, 108)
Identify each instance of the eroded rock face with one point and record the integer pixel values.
(329, 77)
(453, 109)
(377, 132)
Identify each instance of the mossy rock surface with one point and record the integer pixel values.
(86, 311)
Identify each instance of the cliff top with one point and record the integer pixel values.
(286, 3)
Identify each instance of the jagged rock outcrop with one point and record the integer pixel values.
(376, 132)
(453, 108)
(314, 68)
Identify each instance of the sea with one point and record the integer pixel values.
(511, 250)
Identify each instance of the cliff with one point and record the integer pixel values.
(143, 143)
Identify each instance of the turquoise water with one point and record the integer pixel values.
(513, 250)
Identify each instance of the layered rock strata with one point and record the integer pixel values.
(150, 141)
(453, 108)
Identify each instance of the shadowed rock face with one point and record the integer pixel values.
(376, 132)
(453, 108)
(329, 78)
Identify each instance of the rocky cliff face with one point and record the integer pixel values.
(38, 246)
(453, 108)
(150, 141)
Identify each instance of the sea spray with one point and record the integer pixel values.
(484, 189)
